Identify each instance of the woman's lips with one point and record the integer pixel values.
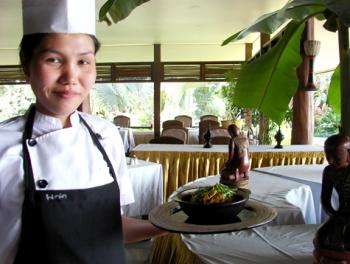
(66, 94)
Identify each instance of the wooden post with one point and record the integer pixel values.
(157, 76)
(303, 103)
(344, 55)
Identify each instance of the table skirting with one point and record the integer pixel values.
(182, 164)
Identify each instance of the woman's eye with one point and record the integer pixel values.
(53, 60)
(83, 62)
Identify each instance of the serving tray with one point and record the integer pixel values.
(168, 217)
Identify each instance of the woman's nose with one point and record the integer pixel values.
(69, 74)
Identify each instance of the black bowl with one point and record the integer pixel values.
(217, 213)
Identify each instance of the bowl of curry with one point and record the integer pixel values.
(217, 204)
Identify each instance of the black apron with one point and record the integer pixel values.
(69, 226)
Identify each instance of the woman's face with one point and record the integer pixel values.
(62, 73)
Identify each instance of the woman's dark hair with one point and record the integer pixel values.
(31, 41)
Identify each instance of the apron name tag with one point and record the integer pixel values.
(56, 197)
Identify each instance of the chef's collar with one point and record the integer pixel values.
(45, 123)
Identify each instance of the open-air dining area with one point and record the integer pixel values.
(188, 131)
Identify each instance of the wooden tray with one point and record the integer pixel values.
(166, 217)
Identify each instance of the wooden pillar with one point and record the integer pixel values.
(303, 103)
(157, 77)
(344, 55)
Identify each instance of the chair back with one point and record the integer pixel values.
(219, 132)
(226, 123)
(172, 124)
(220, 140)
(185, 119)
(203, 128)
(180, 133)
(122, 121)
(166, 140)
(208, 117)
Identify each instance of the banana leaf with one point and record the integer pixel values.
(118, 9)
(334, 91)
(269, 82)
(341, 8)
(298, 10)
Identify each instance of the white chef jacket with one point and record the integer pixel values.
(73, 163)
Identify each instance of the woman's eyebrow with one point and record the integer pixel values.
(61, 53)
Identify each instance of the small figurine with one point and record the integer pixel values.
(207, 138)
(279, 137)
(237, 166)
(332, 241)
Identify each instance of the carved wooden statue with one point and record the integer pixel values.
(237, 166)
(332, 241)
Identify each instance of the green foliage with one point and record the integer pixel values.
(274, 81)
(14, 100)
(334, 91)
(118, 9)
(136, 100)
(203, 97)
(227, 93)
(327, 124)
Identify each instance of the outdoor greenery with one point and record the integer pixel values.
(275, 83)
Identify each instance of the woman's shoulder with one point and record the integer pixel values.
(13, 124)
(98, 124)
(11, 131)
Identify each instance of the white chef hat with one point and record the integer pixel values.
(58, 16)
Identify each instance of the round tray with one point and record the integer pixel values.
(168, 217)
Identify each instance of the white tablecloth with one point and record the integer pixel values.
(224, 148)
(267, 244)
(147, 183)
(306, 174)
(127, 137)
(292, 200)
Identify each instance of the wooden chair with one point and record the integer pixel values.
(122, 121)
(203, 127)
(220, 140)
(208, 117)
(166, 140)
(185, 119)
(219, 132)
(180, 133)
(172, 124)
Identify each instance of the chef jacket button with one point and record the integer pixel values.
(42, 183)
(32, 142)
(98, 136)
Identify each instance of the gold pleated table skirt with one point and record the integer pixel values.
(180, 168)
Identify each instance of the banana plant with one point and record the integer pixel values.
(269, 82)
(117, 10)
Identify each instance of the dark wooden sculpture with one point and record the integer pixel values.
(237, 166)
(207, 139)
(332, 240)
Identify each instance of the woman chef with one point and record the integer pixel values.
(63, 173)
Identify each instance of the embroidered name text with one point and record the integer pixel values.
(55, 197)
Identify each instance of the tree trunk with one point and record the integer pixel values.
(263, 136)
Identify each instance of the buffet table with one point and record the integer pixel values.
(147, 183)
(185, 163)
